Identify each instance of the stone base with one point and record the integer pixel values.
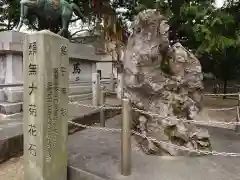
(80, 97)
(77, 89)
(10, 108)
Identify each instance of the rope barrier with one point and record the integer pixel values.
(91, 106)
(215, 153)
(222, 109)
(227, 94)
(187, 121)
(211, 123)
(78, 103)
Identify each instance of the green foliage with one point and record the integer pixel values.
(9, 14)
(212, 34)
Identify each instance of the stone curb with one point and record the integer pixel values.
(13, 146)
(76, 174)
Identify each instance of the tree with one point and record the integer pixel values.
(9, 14)
(209, 32)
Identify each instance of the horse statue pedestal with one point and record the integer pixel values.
(11, 65)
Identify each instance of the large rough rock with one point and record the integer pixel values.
(165, 80)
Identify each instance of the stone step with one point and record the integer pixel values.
(15, 94)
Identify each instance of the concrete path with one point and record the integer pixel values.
(12, 170)
(11, 138)
(96, 155)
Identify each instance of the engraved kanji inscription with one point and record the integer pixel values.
(32, 69)
(63, 50)
(32, 48)
(64, 90)
(63, 71)
(55, 73)
(32, 110)
(76, 68)
(32, 87)
(32, 130)
(32, 148)
(56, 89)
(56, 101)
(63, 111)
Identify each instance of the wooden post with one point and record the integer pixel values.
(96, 89)
(126, 138)
(46, 75)
(102, 102)
(237, 127)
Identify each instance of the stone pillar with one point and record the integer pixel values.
(45, 106)
(94, 67)
(112, 83)
(96, 88)
(120, 86)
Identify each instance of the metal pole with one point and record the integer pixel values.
(126, 138)
(96, 88)
(102, 102)
(237, 127)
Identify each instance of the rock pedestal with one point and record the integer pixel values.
(46, 60)
(164, 80)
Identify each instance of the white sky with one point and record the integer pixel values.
(219, 3)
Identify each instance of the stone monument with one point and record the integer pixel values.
(165, 80)
(46, 60)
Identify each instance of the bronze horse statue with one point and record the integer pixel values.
(51, 11)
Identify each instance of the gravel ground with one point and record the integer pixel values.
(209, 114)
(12, 169)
